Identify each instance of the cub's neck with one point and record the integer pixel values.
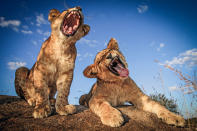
(105, 83)
(62, 41)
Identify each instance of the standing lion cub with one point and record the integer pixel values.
(53, 70)
(114, 87)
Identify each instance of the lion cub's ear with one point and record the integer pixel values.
(113, 44)
(53, 14)
(90, 71)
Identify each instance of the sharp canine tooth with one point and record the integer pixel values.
(75, 27)
(70, 30)
(68, 15)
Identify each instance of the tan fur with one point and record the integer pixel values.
(111, 90)
(53, 70)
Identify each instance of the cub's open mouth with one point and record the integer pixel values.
(71, 23)
(117, 67)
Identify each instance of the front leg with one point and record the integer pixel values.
(147, 104)
(63, 87)
(39, 95)
(109, 116)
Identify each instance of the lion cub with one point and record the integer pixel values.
(53, 70)
(114, 87)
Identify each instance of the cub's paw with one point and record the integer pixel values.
(41, 112)
(112, 118)
(172, 119)
(86, 29)
(31, 102)
(65, 110)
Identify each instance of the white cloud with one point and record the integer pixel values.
(34, 43)
(39, 31)
(182, 89)
(25, 27)
(88, 55)
(81, 57)
(192, 52)
(4, 23)
(15, 65)
(26, 31)
(189, 91)
(15, 29)
(173, 88)
(40, 20)
(188, 57)
(156, 45)
(142, 8)
(91, 43)
(10, 23)
(45, 38)
(161, 45)
(47, 33)
(78, 55)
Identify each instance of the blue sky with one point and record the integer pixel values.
(147, 30)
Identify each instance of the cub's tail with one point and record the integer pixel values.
(84, 100)
(20, 78)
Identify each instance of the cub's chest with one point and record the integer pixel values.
(65, 56)
(64, 52)
(116, 94)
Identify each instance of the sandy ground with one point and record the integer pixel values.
(16, 114)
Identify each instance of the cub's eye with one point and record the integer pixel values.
(109, 56)
(54, 15)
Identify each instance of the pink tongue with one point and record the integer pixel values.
(122, 71)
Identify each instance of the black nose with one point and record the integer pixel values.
(79, 8)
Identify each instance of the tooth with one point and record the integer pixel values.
(68, 15)
(70, 28)
(75, 27)
(66, 27)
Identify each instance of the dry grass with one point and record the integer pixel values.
(186, 78)
(189, 87)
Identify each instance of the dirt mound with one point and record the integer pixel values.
(16, 114)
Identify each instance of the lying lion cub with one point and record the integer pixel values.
(53, 70)
(114, 87)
